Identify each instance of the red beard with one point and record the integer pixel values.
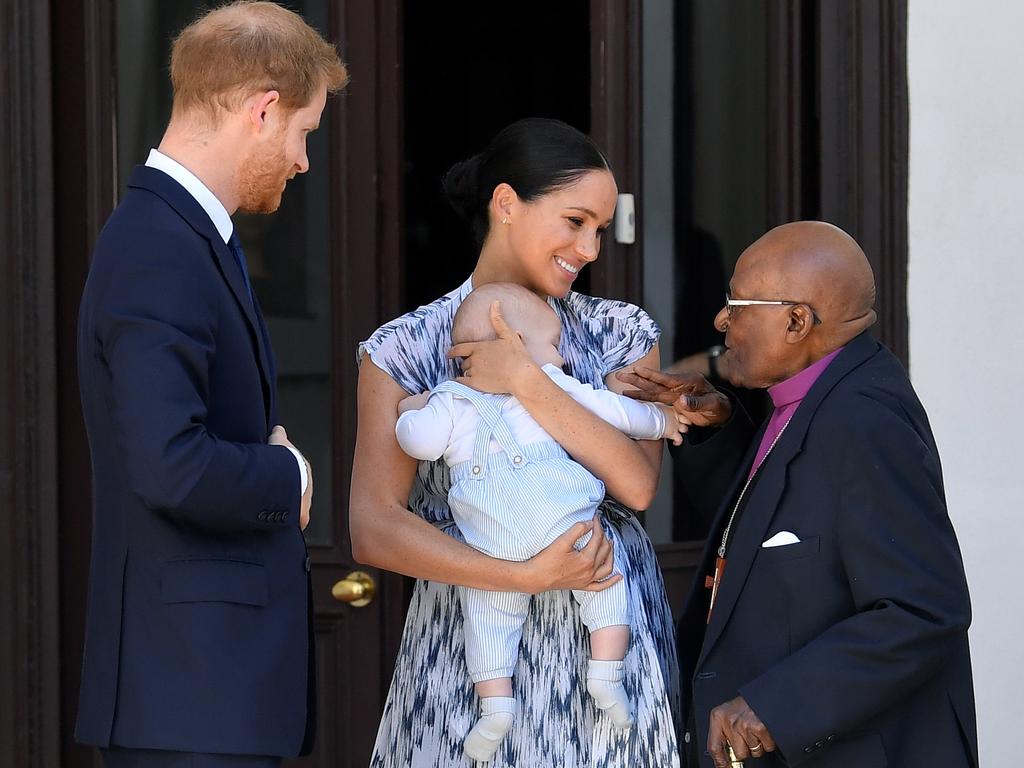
(262, 179)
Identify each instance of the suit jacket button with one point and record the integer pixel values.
(308, 564)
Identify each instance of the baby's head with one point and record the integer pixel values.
(524, 311)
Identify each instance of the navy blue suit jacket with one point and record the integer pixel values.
(851, 645)
(198, 630)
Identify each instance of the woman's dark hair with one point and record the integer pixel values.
(534, 156)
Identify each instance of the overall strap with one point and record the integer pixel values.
(491, 424)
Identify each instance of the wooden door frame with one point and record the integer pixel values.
(838, 144)
(366, 288)
(616, 109)
(29, 612)
(85, 175)
(63, 64)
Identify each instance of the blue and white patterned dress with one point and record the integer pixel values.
(431, 704)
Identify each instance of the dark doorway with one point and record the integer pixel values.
(470, 70)
(721, 179)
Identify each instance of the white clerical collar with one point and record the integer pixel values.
(214, 208)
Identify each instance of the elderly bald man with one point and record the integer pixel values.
(829, 624)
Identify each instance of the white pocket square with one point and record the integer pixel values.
(781, 539)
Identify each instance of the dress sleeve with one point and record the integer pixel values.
(624, 332)
(408, 349)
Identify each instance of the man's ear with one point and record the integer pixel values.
(801, 321)
(261, 106)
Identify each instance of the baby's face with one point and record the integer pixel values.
(541, 336)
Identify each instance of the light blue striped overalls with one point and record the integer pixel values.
(511, 504)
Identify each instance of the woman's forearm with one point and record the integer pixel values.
(394, 539)
(385, 534)
(628, 468)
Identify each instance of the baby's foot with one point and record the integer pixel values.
(604, 683)
(496, 716)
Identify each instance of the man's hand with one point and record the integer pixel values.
(496, 366)
(561, 566)
(413, 402)
(306, 505)
(688, 393)
(676, 424)
(279, 437)
(735, 725)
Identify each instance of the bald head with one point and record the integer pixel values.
(825, 289)
(819, 264)
(523, 310)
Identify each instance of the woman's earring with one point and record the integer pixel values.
(505, 220)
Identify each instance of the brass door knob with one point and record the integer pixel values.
(356, 589)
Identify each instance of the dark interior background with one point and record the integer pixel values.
(470, 71)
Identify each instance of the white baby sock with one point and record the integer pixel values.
(496, 716)
(604, 683)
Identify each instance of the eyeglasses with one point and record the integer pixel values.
(731, 303)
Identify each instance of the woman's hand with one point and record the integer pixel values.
(561, 566)
(689, 394)
(499, 366)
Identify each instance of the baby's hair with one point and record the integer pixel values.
(473, 318)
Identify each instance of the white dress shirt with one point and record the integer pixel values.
(221, 220)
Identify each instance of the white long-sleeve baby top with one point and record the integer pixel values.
(446, 426)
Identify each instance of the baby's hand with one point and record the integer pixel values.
(676, 424)
(413, 402)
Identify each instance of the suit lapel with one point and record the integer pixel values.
(232, 273)
(176, 196)
(763, 500)
(269, 365)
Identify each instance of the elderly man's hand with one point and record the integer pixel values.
(735, 725)
(689, 393)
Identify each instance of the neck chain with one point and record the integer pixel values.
(746, 485)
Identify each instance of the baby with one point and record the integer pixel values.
(514, 490)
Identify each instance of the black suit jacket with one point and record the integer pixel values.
(850, 645)
(198, 624)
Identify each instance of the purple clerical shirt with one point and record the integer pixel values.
(786, 397)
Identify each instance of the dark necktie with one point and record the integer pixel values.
(236, 250)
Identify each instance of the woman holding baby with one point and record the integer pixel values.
(538, 200)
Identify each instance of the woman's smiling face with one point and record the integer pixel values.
(554, 236)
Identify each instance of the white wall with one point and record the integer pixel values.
(966, 226)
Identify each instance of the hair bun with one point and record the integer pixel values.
(534, 156)
(461, 186)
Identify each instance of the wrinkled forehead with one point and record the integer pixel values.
(755, 272)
